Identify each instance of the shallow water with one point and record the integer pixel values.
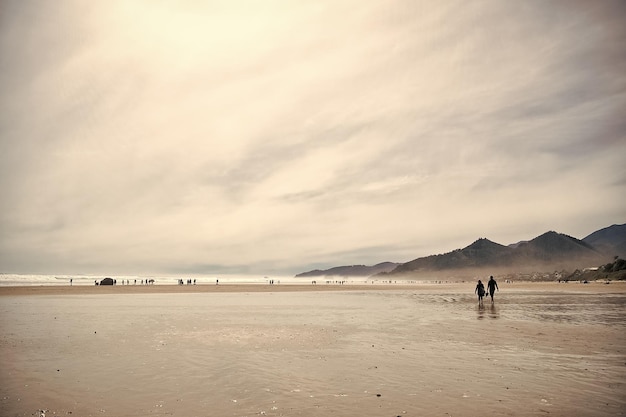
(372, 353)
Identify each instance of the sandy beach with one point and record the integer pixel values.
(595, 287)
(313, 350)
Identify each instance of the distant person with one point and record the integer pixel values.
(492, 285)
(480, 290)
(71, 281)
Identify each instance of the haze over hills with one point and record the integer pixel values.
(550, 251)
(352, 270)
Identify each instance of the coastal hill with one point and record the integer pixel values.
(481, 253)
(351, 271)
(610, 240)
(552, 247)
(550, 251)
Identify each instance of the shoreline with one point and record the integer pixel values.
(592, 287)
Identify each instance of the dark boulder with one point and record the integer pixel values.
(107, 281)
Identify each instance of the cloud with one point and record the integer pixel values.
(245, 135)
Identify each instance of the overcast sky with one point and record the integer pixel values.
(279, 136)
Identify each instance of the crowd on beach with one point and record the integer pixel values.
(492, 285)
(111, 281)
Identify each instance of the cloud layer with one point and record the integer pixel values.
(143, 137)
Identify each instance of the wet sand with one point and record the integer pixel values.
(305, 350)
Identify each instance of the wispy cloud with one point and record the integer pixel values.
(143, 137)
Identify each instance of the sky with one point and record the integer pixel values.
(264, 137)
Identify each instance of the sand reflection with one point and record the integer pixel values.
(493, 312)
(481, 311)
(489, 311)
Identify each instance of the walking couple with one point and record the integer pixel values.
(492, 286)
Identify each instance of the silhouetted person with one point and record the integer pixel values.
(492, 285)
(480, 290)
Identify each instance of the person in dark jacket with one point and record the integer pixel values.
(480, 290)
(492, 285)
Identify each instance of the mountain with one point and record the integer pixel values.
(550, 251)
(610, 240)
(481, 253)
(557, 248)
(351, 271)
(553, 245)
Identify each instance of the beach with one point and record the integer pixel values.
(313, 350)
